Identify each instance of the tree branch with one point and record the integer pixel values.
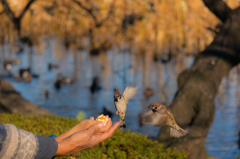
(26, 8)
(16, 20)
(212, 30)
(7, 10)
(87, 10)
(108, 15)
(90, 11)
(219, 8)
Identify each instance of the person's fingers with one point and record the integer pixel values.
(109, 123)
(108, 134)
(95, 128)
(107, 127)
(91, 118)
(113, 128)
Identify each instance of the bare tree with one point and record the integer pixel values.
(16, 20)
(106, 44)
(90, 11)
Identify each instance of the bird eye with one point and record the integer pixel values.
(119, 97)
(155, 107)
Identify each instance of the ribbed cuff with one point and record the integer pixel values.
(47, 147)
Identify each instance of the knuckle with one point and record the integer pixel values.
(86, 137)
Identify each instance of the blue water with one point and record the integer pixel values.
(119, 70)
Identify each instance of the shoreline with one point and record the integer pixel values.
(11, 101)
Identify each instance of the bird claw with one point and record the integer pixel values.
(116, 112)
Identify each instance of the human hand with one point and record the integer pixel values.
(104, 129)
(83, 125)
(84, 139)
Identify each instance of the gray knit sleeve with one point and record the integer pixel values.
(47, 147)
(19, 144)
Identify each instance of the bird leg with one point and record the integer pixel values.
(117, 112)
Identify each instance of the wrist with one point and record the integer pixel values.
(63, 147)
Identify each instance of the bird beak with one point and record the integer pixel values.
(115, 99)
(150, 106)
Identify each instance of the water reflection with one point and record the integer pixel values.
(119, 70)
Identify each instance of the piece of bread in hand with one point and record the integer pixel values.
(102, 118)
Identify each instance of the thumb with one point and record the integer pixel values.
(95, 128)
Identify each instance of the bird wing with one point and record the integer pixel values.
(155, 118)
(171, 120)
(129, 92)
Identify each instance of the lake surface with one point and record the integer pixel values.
(119, 70)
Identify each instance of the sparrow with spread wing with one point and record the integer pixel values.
(161, 115)
(121, 101)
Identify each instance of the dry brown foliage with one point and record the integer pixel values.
(161, 27)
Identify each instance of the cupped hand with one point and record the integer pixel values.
(84, 139)
(105, 128)
(83, 125)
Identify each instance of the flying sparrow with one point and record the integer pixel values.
(161, 115)
(121, 101)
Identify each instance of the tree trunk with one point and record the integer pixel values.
(193, 106)
(17, 26)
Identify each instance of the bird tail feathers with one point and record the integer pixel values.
(122, 120)
(122, 124)
(177, 132)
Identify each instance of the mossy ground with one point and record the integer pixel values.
(123, 144)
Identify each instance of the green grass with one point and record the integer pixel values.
(121, 145)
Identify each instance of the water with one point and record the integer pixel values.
(119, 71)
